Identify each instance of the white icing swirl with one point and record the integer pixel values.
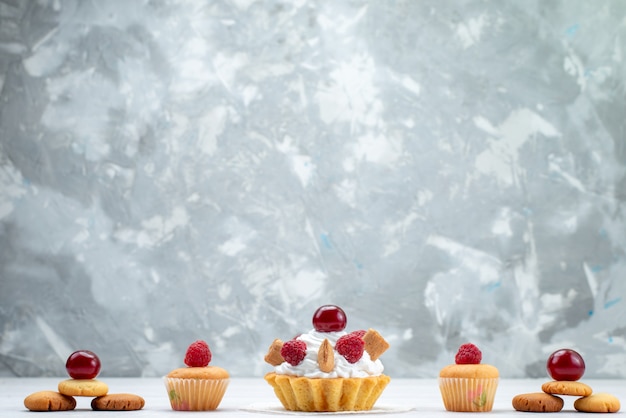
(365, 367)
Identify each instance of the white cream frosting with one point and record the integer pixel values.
(365, 367)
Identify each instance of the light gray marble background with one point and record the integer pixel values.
(446, 171)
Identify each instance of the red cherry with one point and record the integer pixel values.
(329, 318)
(83, 364)
(565, 364)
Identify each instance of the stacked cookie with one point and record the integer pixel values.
(83, 366)
(549, 401)
(566, 367)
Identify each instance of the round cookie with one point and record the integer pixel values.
(598, 402)
(571, 388)
(47, 400)
(83, 387)
(118, 402)
(537, 402)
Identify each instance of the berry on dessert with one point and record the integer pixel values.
(468, 354)
(293, 351)
(198, 354)
(351, 347)
(83, 364)
(329, 318)
(360, 332)
(565, 364)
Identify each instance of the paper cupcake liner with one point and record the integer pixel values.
(195, 394)
(467, 394)
(327, 395)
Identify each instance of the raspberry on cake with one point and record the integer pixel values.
(351, 346)
(293, 352)
(198, 354)
(468, 354)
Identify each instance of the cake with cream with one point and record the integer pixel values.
(328, 369)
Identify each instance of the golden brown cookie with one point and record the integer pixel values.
(598, 402)
(562, 387)
(537, 402)
(273, 355)
(83, 387)
(117, 402)
(48, 400)
(375, 344)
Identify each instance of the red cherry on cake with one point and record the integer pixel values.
(329, 318)
(565, 364)
(83, 364)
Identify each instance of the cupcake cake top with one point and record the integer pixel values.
(467, 364)
(328, 351)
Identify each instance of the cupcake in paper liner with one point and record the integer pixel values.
(328, 369)
(467, 385)
(197, 387)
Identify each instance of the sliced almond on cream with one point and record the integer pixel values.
(326, 357)
(273, 355)
(375, 344)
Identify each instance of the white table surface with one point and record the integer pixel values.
(250, 396)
